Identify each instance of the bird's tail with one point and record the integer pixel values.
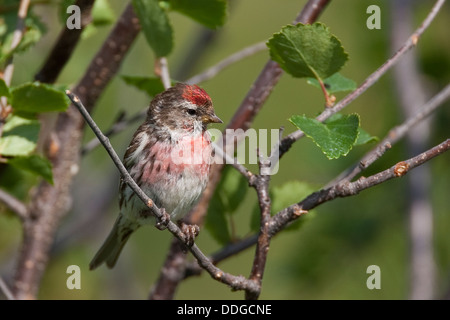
(112, 247)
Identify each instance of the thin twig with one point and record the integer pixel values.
(235, 282)
(14, 204)
(235, 57)
(162, 71)
(262, 245)
(6, 291)
(410, 43)
(346, 189)
(121, 123)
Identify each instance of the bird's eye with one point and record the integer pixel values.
(192, 112)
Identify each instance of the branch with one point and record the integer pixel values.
(262, 246)
(346, 189)
(162, 71)
(410, 43)
(14, 204)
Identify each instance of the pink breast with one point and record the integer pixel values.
(191, 156)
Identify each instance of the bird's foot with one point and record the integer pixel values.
(190, 232)
(163, 221)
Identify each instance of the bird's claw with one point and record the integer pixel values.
(190, 232)
(163, 221)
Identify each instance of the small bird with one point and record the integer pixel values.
(169, 157)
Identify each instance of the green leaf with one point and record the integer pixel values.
(4, 90)
(225, 201)
(34, 164)
(19, 137)
(364, 137)
(216, 222)
(335, 138)
(336, 83)
(210, 13)
(307, 51)
(155, 25)
(89, 31)
(282, 197)
(102, 13)
(37, 97)
(151, 85)
(231, 189)
(34, 31)
(289, 193)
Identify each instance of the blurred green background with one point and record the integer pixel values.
(325, 259)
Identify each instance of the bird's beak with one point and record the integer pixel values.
(211, 118)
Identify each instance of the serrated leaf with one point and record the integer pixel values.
(210, 13)
(336, 83)
(155, 25)
(151, 85)
(4, 90)
(335, 138)
(307, 51)
(38, 97)
(34, 164)
(19, 137)
(102, 13)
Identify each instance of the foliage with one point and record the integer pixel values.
(308, 52)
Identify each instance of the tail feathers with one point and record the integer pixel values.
(112, 247)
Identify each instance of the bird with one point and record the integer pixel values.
(169, 157)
